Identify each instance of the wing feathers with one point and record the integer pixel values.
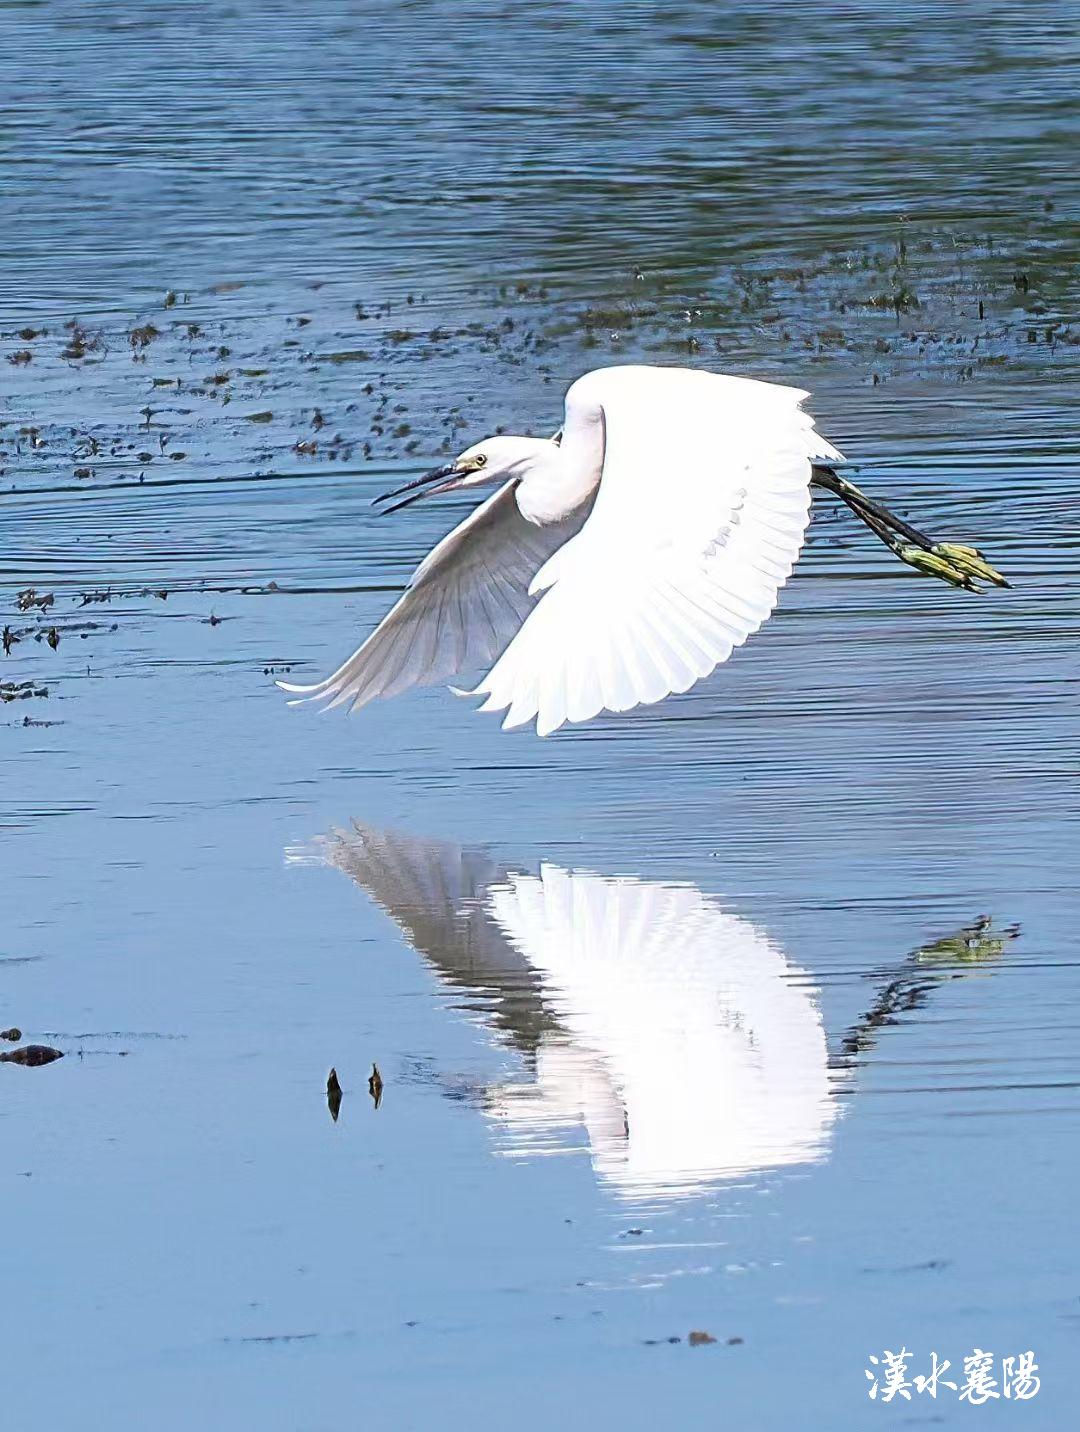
(465, 601)
(699, 519)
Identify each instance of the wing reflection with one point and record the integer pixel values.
(676, 1035)
(689, 1052)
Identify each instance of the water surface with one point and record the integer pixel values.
(752, 1013)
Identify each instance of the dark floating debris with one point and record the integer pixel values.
(81, 342)
(31, 1055)
(21, 690)
(32, 598)
(143, 336)
(698, 1338)
(375, 1085)
(333, 1094)
(268, 1338)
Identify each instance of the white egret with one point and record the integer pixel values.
(624, 559)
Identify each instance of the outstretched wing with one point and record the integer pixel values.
(465, 601)
(700, 515)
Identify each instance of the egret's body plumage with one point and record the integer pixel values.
(621, 561)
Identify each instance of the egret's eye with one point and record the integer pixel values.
(479, 459)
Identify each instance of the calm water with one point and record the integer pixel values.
(753, 1013)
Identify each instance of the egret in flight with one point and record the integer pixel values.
(624, 559)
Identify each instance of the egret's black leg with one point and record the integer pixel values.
(950, 561)
(865, 507)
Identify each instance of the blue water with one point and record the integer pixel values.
(667, 1036)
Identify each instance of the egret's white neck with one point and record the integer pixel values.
(558, 479)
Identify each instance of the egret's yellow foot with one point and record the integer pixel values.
(969, 560)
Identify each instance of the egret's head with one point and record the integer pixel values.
(494, 460)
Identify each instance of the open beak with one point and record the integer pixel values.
(446, 477)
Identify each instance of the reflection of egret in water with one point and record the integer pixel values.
(687, 1052)
(674, 1033)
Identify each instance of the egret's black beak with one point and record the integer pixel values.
(440, 475)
